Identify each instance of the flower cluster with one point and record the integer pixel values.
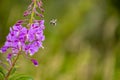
(22, 39)
(25, 40)
(31, 8)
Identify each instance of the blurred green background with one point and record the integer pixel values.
(84, 45)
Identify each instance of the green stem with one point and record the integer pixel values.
(32, 14)
(12, 66)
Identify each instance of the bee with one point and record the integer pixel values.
(53, 22)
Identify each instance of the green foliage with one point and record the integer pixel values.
(2, 72)
(20, 77)
(1, 76)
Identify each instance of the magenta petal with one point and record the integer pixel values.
(4, 49)
(35, 62)
(9, 56)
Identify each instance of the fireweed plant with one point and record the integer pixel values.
(24, 40)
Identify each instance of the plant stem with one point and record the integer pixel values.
(12, 66)
(33, 12)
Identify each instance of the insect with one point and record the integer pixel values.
(53, 22)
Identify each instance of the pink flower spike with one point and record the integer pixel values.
(42, 10)
(40, 15)
(30, 6)
(26, 13)
(39, 3)
(19, 22)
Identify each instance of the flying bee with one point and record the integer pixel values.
(53, 22)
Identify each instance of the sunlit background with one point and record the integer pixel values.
(84, 45)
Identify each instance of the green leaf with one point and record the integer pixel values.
(20, 77)
(14, 76)
(1, 76)
(25, 78)
(2, 71)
